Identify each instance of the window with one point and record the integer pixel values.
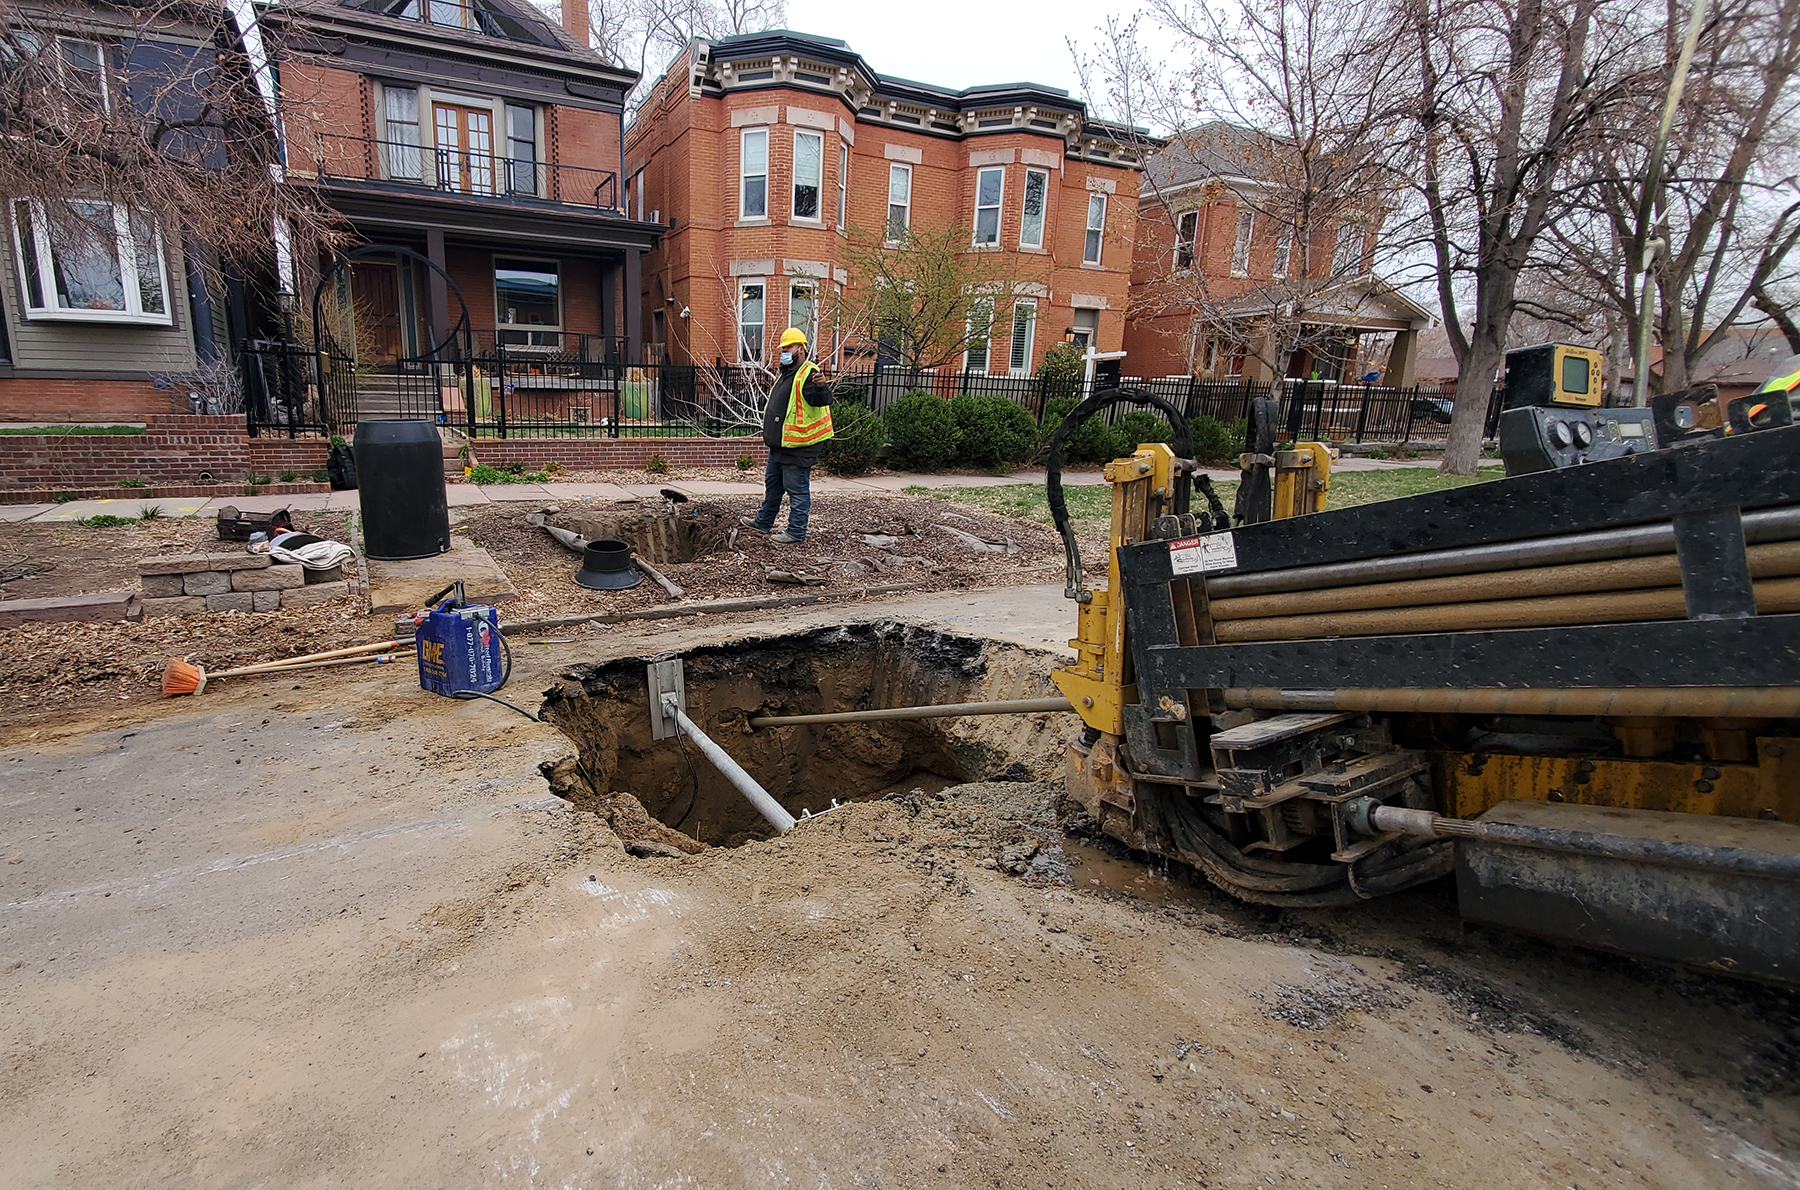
(1024, 323)
(803, 308)
(1240, 250)
(753, 168)
(899, 201)
(1096, 227)
(465, 147)
(401, 139)
(989, 184)
(1284, 252)
(809, 174)
(981, 330)
(843, 182)
(1086, 329)
(521, 149)
(527, 293)
(750, 322)
(1031, 216)
(1187, 231)
(104, 265)
(83, 66)
(1347, 260)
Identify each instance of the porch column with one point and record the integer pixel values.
(609, 294)
(1403, 360)
(634, 301)
(438, 312)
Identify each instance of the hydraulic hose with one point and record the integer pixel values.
(1183, 447)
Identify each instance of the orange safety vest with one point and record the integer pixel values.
(805, 424)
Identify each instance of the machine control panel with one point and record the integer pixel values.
(1546, 438)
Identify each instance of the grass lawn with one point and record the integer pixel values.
(1090, 506)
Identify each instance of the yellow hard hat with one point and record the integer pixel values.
(793, 335)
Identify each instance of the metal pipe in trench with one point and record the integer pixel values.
(733, 772)
(1018, 706)
(1691, 702)
(1770, 524)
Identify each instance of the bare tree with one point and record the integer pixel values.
(925, 295)
(647, 34)
(154, 110)
(1728, 213)
(1278, 110)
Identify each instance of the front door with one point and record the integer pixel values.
(375, 298)
(465, 143)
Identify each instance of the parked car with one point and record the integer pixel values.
(1436, 409)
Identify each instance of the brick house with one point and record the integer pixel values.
(486, 140)
(1200, 230)
(763, 152)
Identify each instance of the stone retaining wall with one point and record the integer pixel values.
(183, 584)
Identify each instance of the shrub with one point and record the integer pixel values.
(1216, 442)
(997, 434)
(921, 433)
(657, 465)
(746, 462)
(262, 481)
(132, 483)
(513, 468)
(1064, 366)
(150, 512)
(289, 476)
(857, 437)
(553, 468)
(482, 473)
(1093, 442)
(106, 521)
(320, 475)
(1141, 426)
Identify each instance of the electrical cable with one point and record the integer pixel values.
(693, 774)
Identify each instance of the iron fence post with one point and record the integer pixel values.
(497, 395)
(1362, 416)
(1406, 423)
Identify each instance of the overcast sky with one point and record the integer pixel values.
(956, 43)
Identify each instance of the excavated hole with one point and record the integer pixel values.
(605, 709)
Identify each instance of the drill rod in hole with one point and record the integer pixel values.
(1018, 706)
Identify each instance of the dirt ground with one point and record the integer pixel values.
(335, 932)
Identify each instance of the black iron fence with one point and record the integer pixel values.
(522, 383)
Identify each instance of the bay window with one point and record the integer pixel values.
(1187, 230)
(980, 334)
(1096, 229)
(1023, 328)
(1240, 249)
(1031, 221)
(843, 182)
(753, 174)
(809, 174)
(899, 201)
(102, 263)
(988, 186)
(803, 309)
(751, 322)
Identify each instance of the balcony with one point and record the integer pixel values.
(366, 164)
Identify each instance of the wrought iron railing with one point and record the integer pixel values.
(478, 174)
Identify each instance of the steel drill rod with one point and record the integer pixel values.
(1020, 706)
(1772, 524)
(733, 772)
(1691, 702)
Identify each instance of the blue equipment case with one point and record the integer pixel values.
(459, 649)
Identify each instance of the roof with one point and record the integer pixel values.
(1213, 150)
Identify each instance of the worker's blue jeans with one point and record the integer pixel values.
(796, 482)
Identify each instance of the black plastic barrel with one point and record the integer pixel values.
(400, 467)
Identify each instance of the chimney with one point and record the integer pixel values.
(575, 20)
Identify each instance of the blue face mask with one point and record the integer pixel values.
(787, 357)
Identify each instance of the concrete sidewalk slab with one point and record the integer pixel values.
(461, 495)
(305, 502)
(515, 493)
(345, 501)
(22, 512)
(402, 586)
(588, 491)
(81, 510)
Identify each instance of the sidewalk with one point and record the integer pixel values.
(464, 495)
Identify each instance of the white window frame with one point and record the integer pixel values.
(980, 310)
(744, 175)
(63, 68)
(395, 150)
(897, 170)
(996, 206)
(817, 182)
(762, 344)
(1028, 341)
(1043, 216)
(1351, 236)
(508, 163)
(126, 255)
(1240, 247)
(843, 183)
(811, 324)
(1284, 253)
(1092, 243)
(1186, 242)
(553, 332)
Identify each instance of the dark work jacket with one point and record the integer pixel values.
(817, 393)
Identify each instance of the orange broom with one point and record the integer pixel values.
(184, 677)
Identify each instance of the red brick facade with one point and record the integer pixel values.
(175, 449)
(605, 454)
(685, 152)
(56, 400)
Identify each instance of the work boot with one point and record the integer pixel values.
(786, 539)
(749, 522)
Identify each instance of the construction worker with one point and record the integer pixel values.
(795, 425)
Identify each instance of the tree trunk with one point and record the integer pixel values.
(1474, 390)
